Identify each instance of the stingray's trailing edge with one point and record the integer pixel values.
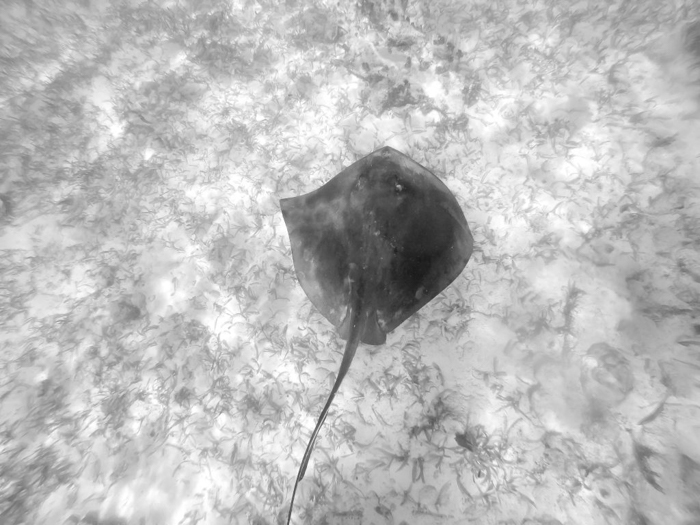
(371, 247)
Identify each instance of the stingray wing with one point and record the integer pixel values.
(322, 241)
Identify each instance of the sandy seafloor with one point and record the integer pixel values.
(159, 362)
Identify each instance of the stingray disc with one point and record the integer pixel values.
(388, 221)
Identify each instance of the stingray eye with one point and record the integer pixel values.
(362, 180)
(398, 187)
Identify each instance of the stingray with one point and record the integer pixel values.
(371, 247)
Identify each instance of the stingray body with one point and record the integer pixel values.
(370, 248)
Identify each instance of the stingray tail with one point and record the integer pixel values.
(348, 355)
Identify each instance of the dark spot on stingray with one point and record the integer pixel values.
(371, 247)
